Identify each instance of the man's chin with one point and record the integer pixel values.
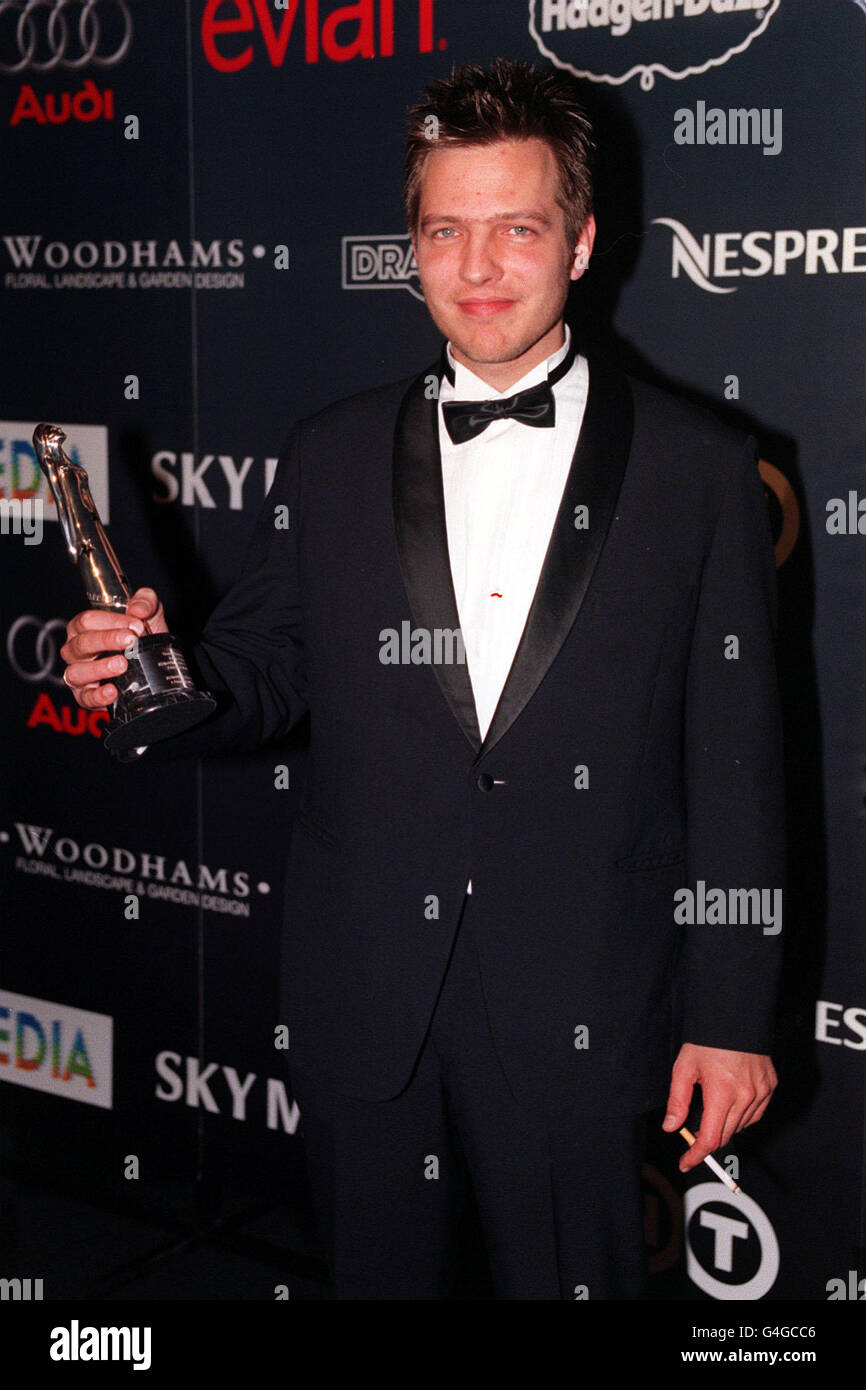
(489, 349)
(491, 344)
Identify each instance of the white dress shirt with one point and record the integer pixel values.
(502, 494)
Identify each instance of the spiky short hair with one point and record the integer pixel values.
(509, 100)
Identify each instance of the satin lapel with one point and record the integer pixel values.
(594, 480)
(422, 539)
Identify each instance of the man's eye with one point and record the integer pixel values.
(520, 228)
(443, 232)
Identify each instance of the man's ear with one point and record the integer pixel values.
(583, 248)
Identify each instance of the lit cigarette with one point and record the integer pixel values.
(711, 1162)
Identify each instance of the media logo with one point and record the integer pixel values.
(21, 476)
(731, 1247)
(43, 35)
(719, 256)
(56, 1048)
(380, 263)
(615, 40)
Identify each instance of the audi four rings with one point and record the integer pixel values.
(34, 659)
(48, 27)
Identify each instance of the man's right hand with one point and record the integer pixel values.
(96, 631)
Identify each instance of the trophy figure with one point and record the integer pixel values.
(156, 695)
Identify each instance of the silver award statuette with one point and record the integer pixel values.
(156, 695)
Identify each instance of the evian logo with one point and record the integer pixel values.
(236, 32)
(615, 40)
(722, 256)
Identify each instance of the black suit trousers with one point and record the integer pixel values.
(558, 1198)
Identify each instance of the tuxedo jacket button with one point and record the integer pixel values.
(485, 782)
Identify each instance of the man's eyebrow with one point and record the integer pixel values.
(520, 216)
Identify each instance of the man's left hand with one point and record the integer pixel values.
(736, 1088)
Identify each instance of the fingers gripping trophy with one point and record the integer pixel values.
(156, 696)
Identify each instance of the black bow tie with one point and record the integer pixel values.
(535, 406)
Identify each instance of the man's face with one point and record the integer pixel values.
(492, 254)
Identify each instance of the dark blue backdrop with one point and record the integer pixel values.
(201, 240)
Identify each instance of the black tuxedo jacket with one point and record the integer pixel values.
(622, 668)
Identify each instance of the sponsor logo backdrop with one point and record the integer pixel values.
(194, 194)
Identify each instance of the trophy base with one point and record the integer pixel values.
(157, 698)
(171, 714)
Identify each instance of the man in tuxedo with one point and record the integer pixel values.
(529, 603)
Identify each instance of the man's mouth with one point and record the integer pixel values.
(484, 308)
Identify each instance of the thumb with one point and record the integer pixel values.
(144, 603)
(679, 1099)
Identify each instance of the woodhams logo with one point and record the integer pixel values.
(615, 40)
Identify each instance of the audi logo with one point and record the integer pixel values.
(34, 657)
(54, 40)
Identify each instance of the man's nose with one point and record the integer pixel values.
(479, 261)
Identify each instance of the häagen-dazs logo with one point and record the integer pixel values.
(615, 40)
